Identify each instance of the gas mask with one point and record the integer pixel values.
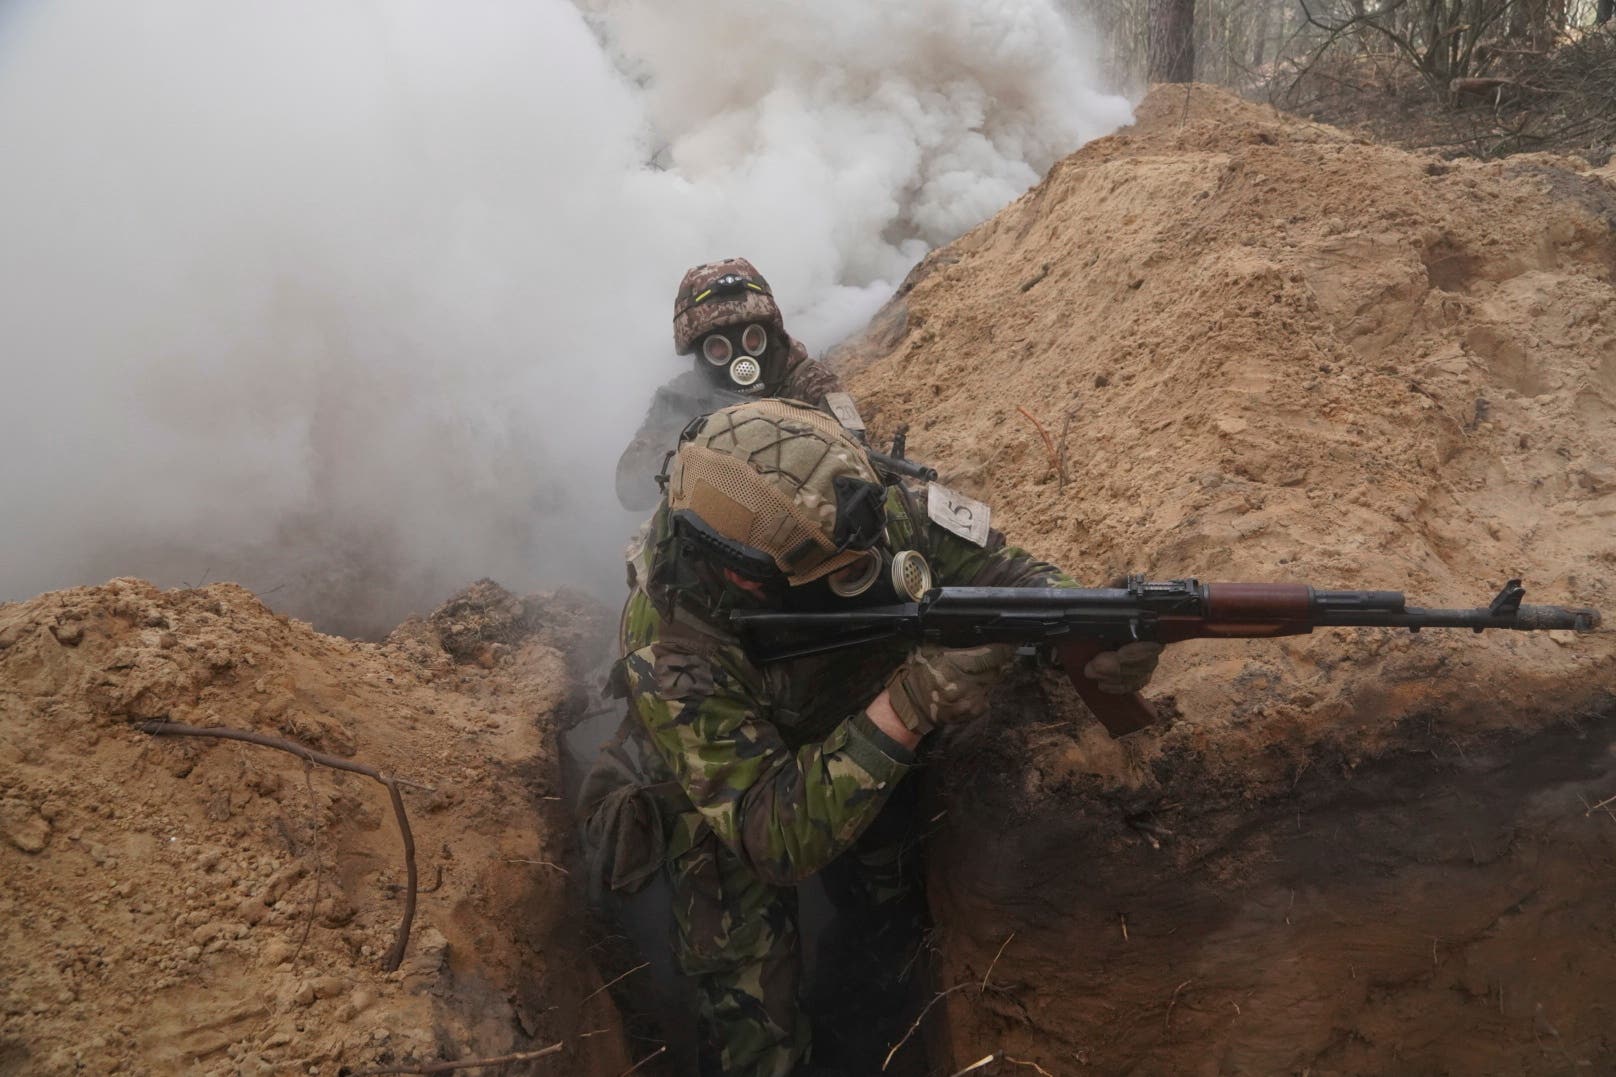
(879, 579)
(879, 576)
(734, 355)
(882, 578)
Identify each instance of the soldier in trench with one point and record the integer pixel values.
(739, 780)
(725, 317)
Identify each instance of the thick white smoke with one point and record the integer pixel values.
(355, 302)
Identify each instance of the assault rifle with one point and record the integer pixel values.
(893, 465)
(1078, 624)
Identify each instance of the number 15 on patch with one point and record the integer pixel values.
(964, 516)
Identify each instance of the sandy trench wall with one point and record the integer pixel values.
(1267, 350)
(178, 906)
(1440, 909)
(1286, 354)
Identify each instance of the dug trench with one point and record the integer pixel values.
(1161, 904)
(1354, 852)
(1442, 907)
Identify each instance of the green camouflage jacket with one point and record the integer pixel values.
(780, 761)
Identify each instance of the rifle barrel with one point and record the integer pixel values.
(1523, 619)
(1169, 611)
(897, 465)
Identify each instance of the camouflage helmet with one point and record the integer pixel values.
(775, 488)
(730, 292)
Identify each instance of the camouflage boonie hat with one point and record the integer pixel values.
(731, 292)
(782, 480)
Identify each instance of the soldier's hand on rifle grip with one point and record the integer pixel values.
(1126, 670)
(936, 686)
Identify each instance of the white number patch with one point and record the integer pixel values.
(964, 516)
(841, 405)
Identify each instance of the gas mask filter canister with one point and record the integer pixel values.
(907, 574)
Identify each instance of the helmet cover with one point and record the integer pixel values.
(716, 294)
(782, 480)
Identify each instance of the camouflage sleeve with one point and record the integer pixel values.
(786, 811)
(807, 379)
(958, 562)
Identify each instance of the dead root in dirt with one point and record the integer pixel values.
(401, 940)
(617, 980)
(539, 863)
(462, 1064)
(659, 1052)
(999, 1056)
(980, 989)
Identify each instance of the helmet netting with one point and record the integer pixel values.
(763, 474)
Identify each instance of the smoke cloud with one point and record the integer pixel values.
(355, 302)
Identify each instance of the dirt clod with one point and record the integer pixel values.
(23, 826)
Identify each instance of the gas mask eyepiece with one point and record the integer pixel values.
(717, 349)
(754, 339)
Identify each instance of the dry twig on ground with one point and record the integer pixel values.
(980, 988)
(1060, 454)
(643, 1061)
(1168, 1022)
(462, 1064)
(995, 961)
(916, 1026)
(999, 1056)
(613, 980)
(401, 940)
(540, 863)
(1049, 442)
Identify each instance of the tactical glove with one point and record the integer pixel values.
(1127, 669)
(936, 686)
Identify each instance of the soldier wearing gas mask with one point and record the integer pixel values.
(740, 780)
(725, 317)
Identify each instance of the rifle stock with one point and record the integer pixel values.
(1077, 624)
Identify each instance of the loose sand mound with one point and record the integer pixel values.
(1289, 355)
(175, 905)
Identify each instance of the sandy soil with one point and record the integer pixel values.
(173, 905)
(1260, 348)
(1287, 355)
(1263, 349)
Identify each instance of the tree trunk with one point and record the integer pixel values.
(1259, 45)
(1171, 56)
(1602, 14)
